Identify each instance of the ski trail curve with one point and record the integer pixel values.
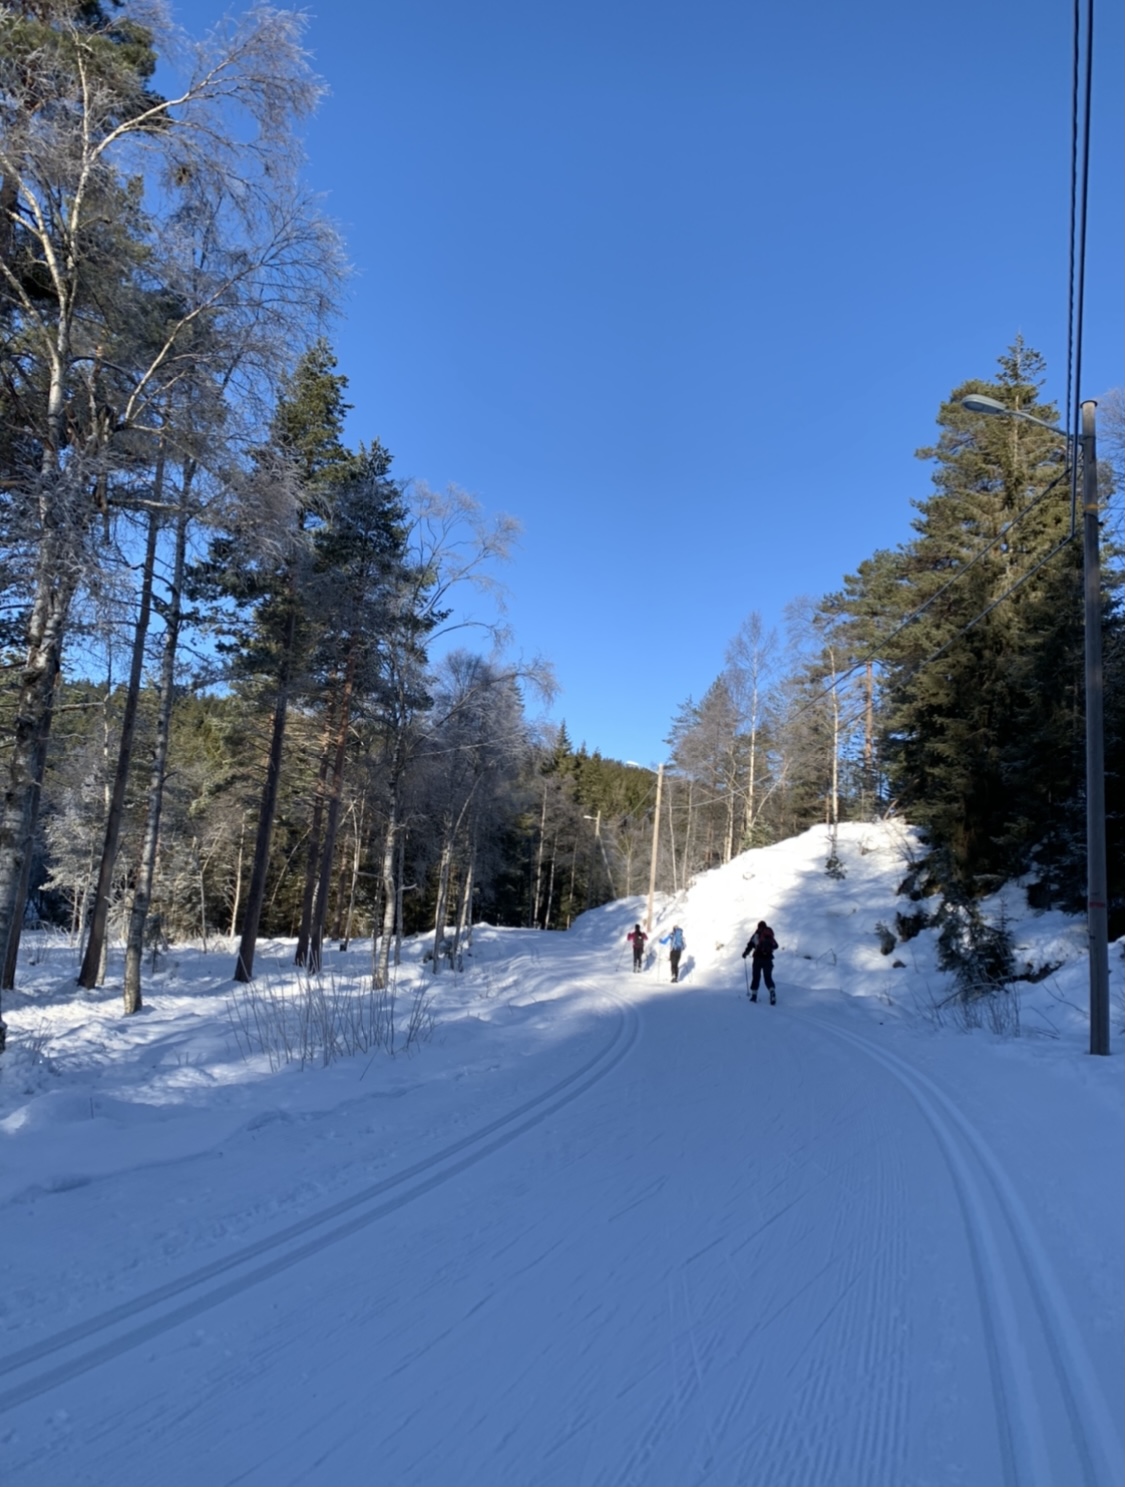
(982, 1186)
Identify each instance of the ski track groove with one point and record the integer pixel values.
(869, 1285)
(981, 1183)
(536, 1110)
(869, 1197)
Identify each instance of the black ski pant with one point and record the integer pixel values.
(763, 965)
(674, 960)
(638, 957)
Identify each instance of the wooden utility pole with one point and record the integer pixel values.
(655, 845)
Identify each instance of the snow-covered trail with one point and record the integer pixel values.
(698, 1241)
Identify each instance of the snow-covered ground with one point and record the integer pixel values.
(589, 1227)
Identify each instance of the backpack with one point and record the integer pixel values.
(677, 939)
(764, 942)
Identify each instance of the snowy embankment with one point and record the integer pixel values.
(589, 1226)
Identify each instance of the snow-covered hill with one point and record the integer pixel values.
(585, 1225)
(831, 925)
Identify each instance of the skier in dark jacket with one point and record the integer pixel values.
(637, 938)
(761, 945)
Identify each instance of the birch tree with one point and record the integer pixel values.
(750, 667)
(91, 162)
(449, 545)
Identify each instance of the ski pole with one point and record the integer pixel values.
(746, 974)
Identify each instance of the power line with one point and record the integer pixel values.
(1076, 51)
(1076, 293)
(1079, 195)
(1078, 249)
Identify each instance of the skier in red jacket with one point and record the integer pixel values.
(637, 938)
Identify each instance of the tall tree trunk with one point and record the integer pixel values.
(78, 909)
(834, 796)
(731, 802)
(9, 207)
(332, 821)
(312, 860)
(539, 858)
(256, 894)
(38, 766)
(442, 891)
(834, 786)
(91, 972)
(400, 891)
(236, 894)
(750, 784)
(55, 584)
(391, 888)
(688, 835)
(200, 865)
(64, 517)
(869, 735)
(465, 907)
(146, 872)
(382, 946)
(550, 883)
(107, 796)
(341, 899)
(346, 934)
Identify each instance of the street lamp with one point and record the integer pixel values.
(1097, 918)
(976, 402)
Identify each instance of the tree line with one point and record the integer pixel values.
(944, 680)
(246, 691)
(215, 618)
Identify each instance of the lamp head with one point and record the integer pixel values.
(977, 403)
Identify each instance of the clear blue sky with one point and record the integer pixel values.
(681, 286)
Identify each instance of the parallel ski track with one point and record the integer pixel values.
(982, 1184)
(433, 1171)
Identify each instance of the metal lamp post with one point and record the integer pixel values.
(1097, 914)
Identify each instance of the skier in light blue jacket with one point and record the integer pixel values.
(675, 940)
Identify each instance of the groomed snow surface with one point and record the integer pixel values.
(593, 1228)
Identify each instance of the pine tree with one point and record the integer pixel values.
(274, 639)
(359, 563)
(981, 732)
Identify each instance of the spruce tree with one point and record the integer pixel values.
(270, 635)
(982, 730)
(359, 561)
